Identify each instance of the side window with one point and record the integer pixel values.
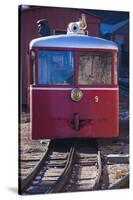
(115, 68)
(33, 75)
(95, 68)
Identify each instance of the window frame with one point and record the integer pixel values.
(76, 51)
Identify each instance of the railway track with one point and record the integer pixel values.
(68, 166)
(87, 169)
(52, 169)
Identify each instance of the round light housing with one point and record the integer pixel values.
(76, 94)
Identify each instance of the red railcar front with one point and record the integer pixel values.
(74, 92)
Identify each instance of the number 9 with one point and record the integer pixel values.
(96, 99)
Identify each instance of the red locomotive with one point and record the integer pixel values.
(74, 91)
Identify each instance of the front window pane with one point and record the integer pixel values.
(56, 67)
(94, 68)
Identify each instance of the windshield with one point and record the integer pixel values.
(55, 67)
(94, 68)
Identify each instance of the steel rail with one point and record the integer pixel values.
(59, 184)
(23, 185)
(99, 172)
(96, 185)
(124, 181)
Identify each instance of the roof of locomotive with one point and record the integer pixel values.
(73, 41)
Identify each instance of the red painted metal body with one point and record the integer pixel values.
(53, 114)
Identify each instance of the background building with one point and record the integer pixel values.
(119, 33)
(112, 25)
(58, 19)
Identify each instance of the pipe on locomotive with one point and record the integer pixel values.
(77, 27)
